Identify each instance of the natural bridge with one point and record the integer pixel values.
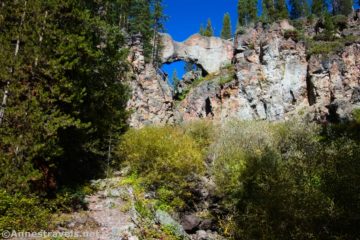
(211, 53)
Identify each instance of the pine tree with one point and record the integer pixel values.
(209, 32)
(318, 7)
(175, 81)
(343, 7)
(282, 11)
(269, 11)
(202, 30)
(247, 11)
(252, 6)
(226, 32)
(299, 8)
(329, 26)
(158, 26)
(242, 12)
(66, 97)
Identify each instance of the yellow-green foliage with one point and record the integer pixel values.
(356, 115)
(22, 213)
(267, 174)
(324, 47)
(202, 131)
(165, 157)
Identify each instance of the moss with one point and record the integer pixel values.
(226, 79)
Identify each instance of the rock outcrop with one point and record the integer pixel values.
(275, 79)
(211, 53)
(151, 96)
(272, 77)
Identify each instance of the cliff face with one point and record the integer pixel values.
(151, 99)
(273, 77)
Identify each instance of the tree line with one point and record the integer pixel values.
(63, 72)
(272, 10)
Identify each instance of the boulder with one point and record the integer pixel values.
(190, 223)
(165, 219)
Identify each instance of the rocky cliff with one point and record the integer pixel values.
(275, 75)
(151, 99)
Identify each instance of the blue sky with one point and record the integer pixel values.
(186, 16)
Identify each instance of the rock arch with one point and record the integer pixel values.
(211, 53)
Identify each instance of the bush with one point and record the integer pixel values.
(202, 131)
(167, 159)
(21, 213)
(340, 22)
(324, 47)
(293, 34)
(278, 181)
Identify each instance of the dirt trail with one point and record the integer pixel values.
(109, 214)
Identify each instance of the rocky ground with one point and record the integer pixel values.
(111, 214)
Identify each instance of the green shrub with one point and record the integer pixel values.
(340, 21)
(202, 131)
(164, 157)
(22, 213)
(293, 34)
(324, 47)
(271, 180)
(356, 115)
(225, 80)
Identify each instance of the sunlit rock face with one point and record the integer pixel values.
(211, 53)
(151, 99)
(271, 77)
(276, 80)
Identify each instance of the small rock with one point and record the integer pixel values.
(149, 195)
(133, 238)
(166, 220)
(190, 223)
(201, 235)
(205, 225)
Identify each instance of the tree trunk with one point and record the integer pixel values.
(17, 48)
(41, 36)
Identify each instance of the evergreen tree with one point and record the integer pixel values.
(242, 12)
(274, 10)
(65, 95)
(282, 11)
(209, 32)
(318, 7)
(158, 26)
(202, 30)
(252, 10)
(226, 32)
(247, 11)
(329, 26)
(343, 7)
(175, 81)
(299, 8)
